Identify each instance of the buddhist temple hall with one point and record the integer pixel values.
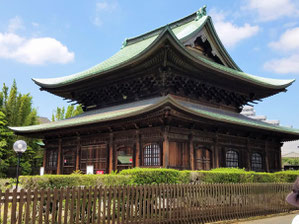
(168, 98)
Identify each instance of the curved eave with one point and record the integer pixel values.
(190, 108)
(154, 44)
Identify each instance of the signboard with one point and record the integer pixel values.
(89, 169)
(42, 171)
(100, 172)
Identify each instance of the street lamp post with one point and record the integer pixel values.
(19, 147)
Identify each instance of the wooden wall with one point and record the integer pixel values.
(182, 145)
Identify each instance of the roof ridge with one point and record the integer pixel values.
(194, 16)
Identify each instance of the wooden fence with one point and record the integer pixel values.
(177, 203)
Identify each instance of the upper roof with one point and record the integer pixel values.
(180, 31)
(128, 110)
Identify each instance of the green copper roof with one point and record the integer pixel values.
(135, 49)
(132, 48)
(140, 107)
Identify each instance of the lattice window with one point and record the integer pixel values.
(232, 158)
(151, 155)
(256, 162)
(52, 158)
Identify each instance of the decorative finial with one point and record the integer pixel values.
(124, 43)
(201, 12)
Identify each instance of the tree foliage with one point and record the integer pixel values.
(290, 161)
(16, 110)
(71, 111)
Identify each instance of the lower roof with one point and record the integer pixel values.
(123, 111)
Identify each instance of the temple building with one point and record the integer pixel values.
(170, 98)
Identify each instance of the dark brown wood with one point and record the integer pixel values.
(165, 149)
(78, 154)
(191, 148)
(137, 150)
(111, 153)
(59, 157)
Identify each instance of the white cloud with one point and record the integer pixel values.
(35, 51)
(268, 10)
(289, 41)
(284, 65)
(103, 8)
(43, 50)
(15, 24)
(229, 33)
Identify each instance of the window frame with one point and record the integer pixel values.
(153, 154)
(235, 159)
(254, 159)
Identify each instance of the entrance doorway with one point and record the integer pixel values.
(96, 156)
(203, 159)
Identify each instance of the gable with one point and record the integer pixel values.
(206, 43)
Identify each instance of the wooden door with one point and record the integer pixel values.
(95, 155)
(203, 159)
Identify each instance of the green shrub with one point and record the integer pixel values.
(73, 180)
(139, 176)
(156, 175)
(6, 184)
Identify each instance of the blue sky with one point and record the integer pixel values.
(47, 39)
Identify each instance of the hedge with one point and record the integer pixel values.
(138, 176)
(73, 180)
(6, 184)
(156, 175)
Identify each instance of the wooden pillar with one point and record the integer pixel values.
(267, 156)
(248, 155)
(58, 171)
(191, 147)
(111, 153)
(137, 152)
(45, 159)
(216, 152)
(165, 148)
(78, 154)
(279, 157)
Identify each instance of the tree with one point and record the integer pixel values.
(16, 110)
(5, 135)
(70, 111)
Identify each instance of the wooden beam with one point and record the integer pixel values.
(58, 171)
(191, 147)
(111, 153)
(137, 152)
(78, 154)
(165, 148)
